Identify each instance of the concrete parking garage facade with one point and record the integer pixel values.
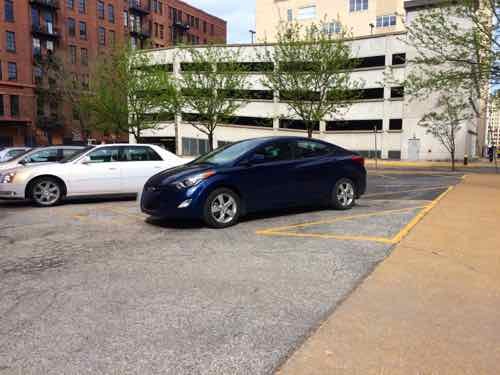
(386, 109)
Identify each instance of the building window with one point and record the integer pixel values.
(111, 37)
(156, 30)
(248, 121)
(161, 31)
(369, 62)
(72, 54)
(71, 27)
(82, 6)
(289, 15)
(111, 13)
(49, 46)
(11, 41)
(125, 18)
(9, 10)
(83, 30)
(100, 10)
(306, 13)
(102, 36)
(14, 105)
(354, 125)
(205, 27)
(369, 93)
(396, 124)
(386, 21)
(2, 111)
(358, 5)
(211, 29)
(70, 4)
(332, 28)
(297, 124)
(38, 73)
(37, 47)
(397, 92)
(84, 56)
(1, 73)
(197, 23)
(194, 146)
(399, 59)
(12, 71)
(160, 8)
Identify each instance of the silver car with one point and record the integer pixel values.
(9, 153)
(48, 154)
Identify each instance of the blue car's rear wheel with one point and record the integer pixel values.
(222, 208)
(344, 194)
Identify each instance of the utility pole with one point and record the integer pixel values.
(376, 146)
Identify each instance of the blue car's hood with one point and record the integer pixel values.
(177, 173)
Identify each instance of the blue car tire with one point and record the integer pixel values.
(222, 208)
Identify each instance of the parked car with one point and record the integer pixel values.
(256, 175)
(118, 169)
(9, 153)
(50, 154)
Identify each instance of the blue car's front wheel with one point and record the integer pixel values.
(222, 208)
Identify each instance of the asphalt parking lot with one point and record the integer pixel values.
(94, 287)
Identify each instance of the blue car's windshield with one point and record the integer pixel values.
(227, 154)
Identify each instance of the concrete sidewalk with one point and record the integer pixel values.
(432, 307)
(424, 164)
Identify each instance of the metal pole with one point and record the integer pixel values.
(252, 34)
(376, 147)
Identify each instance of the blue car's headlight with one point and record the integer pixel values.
(193, 180)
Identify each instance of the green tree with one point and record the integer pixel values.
(312, 72)
(209, 83)
(446, 121)
(457, 48)
(130, 94)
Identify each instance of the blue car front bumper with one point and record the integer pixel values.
(164, 202)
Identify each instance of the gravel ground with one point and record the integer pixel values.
(94, 288)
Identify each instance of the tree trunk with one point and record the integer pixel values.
(453, 161)
(309, 130)
(210, 141)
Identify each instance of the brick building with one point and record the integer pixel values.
(35, 33)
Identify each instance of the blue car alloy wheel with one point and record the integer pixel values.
(222, 208)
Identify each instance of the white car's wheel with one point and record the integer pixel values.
(46, 191)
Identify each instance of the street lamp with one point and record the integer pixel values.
(252, 34)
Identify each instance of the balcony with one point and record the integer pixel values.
(183, 27)
(45, 32)
(141, 33)
(136, 7)
(49, 4)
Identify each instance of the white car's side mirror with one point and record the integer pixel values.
(86, 160)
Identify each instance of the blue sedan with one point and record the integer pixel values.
(256, 175)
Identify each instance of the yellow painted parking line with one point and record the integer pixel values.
(329, 236)
(405, 191)
(339, 219)
(285, 231)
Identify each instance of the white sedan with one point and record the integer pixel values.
(118, 169)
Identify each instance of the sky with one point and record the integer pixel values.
(239, 14)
